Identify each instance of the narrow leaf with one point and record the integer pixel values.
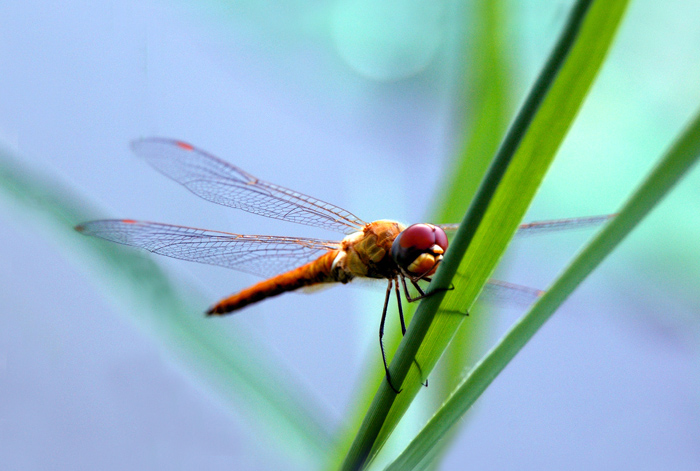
(678, 161)
(500, 203)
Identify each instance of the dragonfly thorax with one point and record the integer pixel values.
(367, 253)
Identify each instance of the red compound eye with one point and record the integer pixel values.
(417, 236)
(416, 240)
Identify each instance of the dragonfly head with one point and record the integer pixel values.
(419, 248)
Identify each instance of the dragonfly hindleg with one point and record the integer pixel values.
(381, 334)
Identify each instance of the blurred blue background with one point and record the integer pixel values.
(364, 115)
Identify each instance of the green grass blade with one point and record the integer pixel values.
(484, 62)
(486, 65)
(501, 201)
(678, 161)
(233, 365)
(490, 108)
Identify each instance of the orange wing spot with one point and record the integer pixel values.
(184, 145)
(128, 221)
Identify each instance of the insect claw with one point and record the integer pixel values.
(420, 372)
(437, 290)
(391, 385)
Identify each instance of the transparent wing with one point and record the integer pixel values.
(510, 293)
(220, 182)
(259, 255)
(556, 225)
(497, 291)
(545, 227)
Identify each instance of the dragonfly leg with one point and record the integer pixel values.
(398, 300)
(405, 290)
(420, 372)
(429, 279)
(409, 298)
(403, 324)
(381, 335)
(418, 288)
(421, 294)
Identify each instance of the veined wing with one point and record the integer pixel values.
(220, 182)
(256, 254)
(510, 293)
(545, 227)
(502, 291)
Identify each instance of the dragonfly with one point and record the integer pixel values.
(382, 249)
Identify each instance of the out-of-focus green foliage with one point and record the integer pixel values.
(233, 365)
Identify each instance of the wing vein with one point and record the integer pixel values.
(220, 182)
(256, 254)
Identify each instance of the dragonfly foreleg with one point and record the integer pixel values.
(409, 298)
(421, 294)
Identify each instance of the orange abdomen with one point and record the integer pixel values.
(315, 272)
